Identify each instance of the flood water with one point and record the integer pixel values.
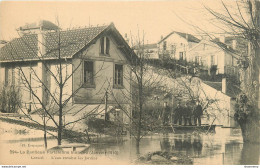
(225, 146)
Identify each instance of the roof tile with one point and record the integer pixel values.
(71, 41)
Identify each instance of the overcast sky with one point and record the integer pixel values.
(155, 18)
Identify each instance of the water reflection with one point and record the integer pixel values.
(250, 154)
(222, 147)
(225, 146)
(183, 143)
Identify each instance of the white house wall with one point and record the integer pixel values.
(2, 76)
(176, 41)
(220, 108)
(66, 72)
(181, 45)
(31, 75)
(104, 75)
(205, 50)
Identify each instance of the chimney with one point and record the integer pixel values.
(41, 43)
(126, 38)
(222, 38)
(234, 44)
(224, 85)
(161, 37)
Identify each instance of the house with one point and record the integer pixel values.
(150, 50)
(176, 45)
(222, 53)
(95, 63)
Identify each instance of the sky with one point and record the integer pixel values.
(153, 18)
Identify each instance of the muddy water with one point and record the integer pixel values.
(225, 146)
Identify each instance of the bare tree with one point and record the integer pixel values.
(246, 23)
(54, 101)
(144, 81)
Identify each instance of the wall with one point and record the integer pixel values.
(220, 109)
(152, 53)
(178, 44)
(32, 74)
(2, 76)
(103, 78)
(66, 74)
(23, 73)
(205, 50)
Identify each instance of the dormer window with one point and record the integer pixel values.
(104, 45)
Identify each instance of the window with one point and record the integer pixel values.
(89, 73)
(164, 45)
(9, 76)
(172, 49)
(181, 56)
(104, 45)
(212, 60)
(6, 76)
(13, 76)
(197, 59)
(118, 78)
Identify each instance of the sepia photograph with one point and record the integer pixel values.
(121, 82)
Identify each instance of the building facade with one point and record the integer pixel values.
(220, 53)
(94, 65)
(176, 45)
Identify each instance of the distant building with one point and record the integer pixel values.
(176, 45)
(150, 50)
(222, 53)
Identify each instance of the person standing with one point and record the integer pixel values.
(166, 113)
(178, 114)
(198, 113)
(187, 114)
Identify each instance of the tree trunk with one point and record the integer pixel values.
(250, 130)
(251, 127)
(250, 154)
(45, 133)
(137, 145)
(60, 96)
(60, 118)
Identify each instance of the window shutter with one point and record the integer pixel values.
(102, 45)
(107, 45)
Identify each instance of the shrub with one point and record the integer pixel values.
(103, 127)
(10, 99)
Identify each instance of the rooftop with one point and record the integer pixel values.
(67, 43)
(187, 36)
(232, 91)
(146, 46)
(42, 24)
